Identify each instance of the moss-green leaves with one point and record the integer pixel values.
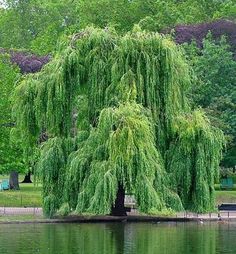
(122, 100)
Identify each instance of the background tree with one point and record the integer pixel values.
(11, 157)
(36, 25)
(215, 88)
(13, 64)
(154, 15)
(198, 32)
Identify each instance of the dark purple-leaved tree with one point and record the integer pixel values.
(197, 32)
(27, 62)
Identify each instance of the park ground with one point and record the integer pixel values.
(29, 195)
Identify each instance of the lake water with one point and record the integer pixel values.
(115, 238)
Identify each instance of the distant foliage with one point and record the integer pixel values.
(212, 58)
(28, 63)
(152, 15)
(10, 152)
(188, 33)
(214, 88)
(36, 25)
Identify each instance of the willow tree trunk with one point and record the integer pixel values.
(14, 180)
(27, 178)
(119, 208)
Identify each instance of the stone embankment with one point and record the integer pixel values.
(14, 212)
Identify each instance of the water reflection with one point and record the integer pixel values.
(115, 238)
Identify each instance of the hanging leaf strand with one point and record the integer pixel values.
(116, 113)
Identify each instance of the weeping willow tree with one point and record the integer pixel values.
(117, 119)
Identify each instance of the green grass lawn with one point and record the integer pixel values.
(225, 197)
(28, 195)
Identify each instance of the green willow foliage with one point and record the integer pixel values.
(115, 112)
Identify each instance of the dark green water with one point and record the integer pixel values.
(140, 238)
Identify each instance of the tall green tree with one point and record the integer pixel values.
(115, 111)
(215, 88)
(153, 15)
(11, 154)
(36, 25)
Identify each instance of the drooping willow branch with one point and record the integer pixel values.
(115, 112)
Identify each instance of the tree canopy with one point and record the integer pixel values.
(10, 151)
(116, 114)
(36, 25)
(199, 32)
(214, 88)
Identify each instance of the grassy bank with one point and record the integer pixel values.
(225, 197)
(28, 195)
